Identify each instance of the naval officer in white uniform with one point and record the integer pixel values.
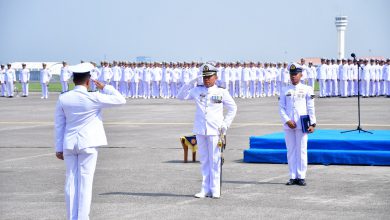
(210, 102)
(79, 131)
(296, 100)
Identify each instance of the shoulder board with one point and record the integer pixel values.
(200, 86)
(222, 87)
(92, 91)
(64, 92)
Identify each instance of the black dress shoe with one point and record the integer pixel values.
(301, 182)
(291, 182)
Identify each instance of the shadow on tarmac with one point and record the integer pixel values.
(144, 194)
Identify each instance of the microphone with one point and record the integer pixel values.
(353, 55)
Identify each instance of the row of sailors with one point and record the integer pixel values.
(8, 80)
(245, 80)
(343, 78)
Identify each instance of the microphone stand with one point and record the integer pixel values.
(359, 128)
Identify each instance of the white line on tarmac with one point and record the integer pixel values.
(179, 123)
(23, 158)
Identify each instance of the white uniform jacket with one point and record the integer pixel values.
(10, 75)
(78, 119)
(24, 75)
(209, 108)
(296, 101)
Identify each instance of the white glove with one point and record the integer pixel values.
(195, 80)
(224, 128)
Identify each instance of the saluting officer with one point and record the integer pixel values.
(209, 122)
(79, 131)
(295, 101)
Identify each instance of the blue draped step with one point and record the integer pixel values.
(325, 147)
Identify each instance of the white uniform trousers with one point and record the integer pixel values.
(123, 88)
(134, 88)
(10, 88)
(267, 88)
(387, 88)
(334, 91)
(273, 87)
(322, 83)
(165, 89)
(80, 168)
(252, 88)
(328, 91)
(45, 90)
(245, 89)
(173, 88)
(146, 89)
(3, 89)
(296, 142)
(115, 84)
(365, 88)
(210, 159)
(311, 82)
(344, 88)
(259, 89)
(383, 87)
(156, 89)
(24, 88)
(278, 87)
(65, 86)
(231, 88)
(355, 86)
(237, 90)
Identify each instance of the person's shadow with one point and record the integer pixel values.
(145, 194)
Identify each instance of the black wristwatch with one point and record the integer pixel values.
(313, 125)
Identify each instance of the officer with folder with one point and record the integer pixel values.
(296, 108)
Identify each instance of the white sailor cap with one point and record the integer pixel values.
(208, 69)
(295, 68)
(81, 68)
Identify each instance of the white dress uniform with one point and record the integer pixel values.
(175, 77)
(210, 103)
(321, 77)
(116, 76)
(295, 101)
(156, 79)
(45, 76)
(2, 82)
(95, 75)
(79, 131)
(166, 82)
(239, 92)
(365, 80)
(10, 78)
(260, 82)
(267, 81)
(245, 78)
(343, 76)
(334, 68)
(386, 78)
(65, 75)
(24, 78)
(107, 74)
(135, 82)
(252, 81)
(311, 76)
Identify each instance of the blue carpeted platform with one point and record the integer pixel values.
(325, 147)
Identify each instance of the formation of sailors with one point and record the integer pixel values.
(336, 78)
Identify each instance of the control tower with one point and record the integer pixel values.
(341, 25)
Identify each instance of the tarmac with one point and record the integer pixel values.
(141, 174)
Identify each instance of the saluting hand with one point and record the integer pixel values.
(291, 124)
(98, 84)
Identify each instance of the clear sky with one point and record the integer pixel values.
(185, 30)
